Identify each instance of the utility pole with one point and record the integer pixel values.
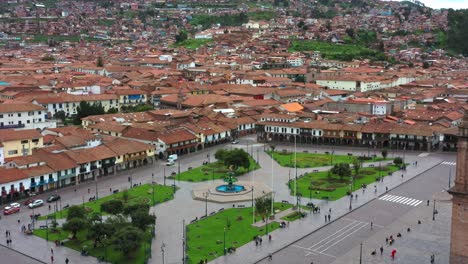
(360, 255)
(450, 178)
(163, 246)
(152, 185)
(205, 195)
(295, 168)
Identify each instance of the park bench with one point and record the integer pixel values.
(194, 220)
(203, 217)
(326, 152)
(115, 191)
(315, 170)
(350, 154)
(222, 209)
(43, 227)
(285, 202)
(240, 206)
(212, 213)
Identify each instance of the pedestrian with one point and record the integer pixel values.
(66, 261)
(261, 240)
(329, 216)
(371, 225)
(432, 259)
(386, 189)
(51, 259)
(419, 222)
(49, 207)
(393, 254)
(329, 210)
(386, 240)
(288, 223)
(6, 233)
(428, 202)
(8, 242)
(75, 190)
(256, 242)
(408, 230)
(110, 190)
(270, 256)
(356, 196)
(402, 176)
(325, 218)
(269, 238)
(381, 250)
(19, 221)
(51, 251)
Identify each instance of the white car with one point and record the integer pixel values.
(170, 163)
(36, 203)
(15, 205)
(235, 142)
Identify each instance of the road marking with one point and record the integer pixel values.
(338, 236)
(350, 224)
(343, 238)
(312, 252)
(425, 154)
(449, 163)
(400, 199)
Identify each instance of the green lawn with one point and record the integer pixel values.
(113, 254)
(346, 52)
(139, 194)
(313, 160)
(214, 170)
(205, 237)
(193, 43)
(333, 187)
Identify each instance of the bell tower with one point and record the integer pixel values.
(459, 236)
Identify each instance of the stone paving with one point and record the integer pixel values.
(172, 214)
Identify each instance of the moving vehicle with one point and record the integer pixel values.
(53, 198)
(170, 163)
(172, 157)
(28, 201)
(11, 209)
(235, 142)
(36, 203)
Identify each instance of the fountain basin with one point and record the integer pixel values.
(226, 188)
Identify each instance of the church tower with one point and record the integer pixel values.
(459, 236)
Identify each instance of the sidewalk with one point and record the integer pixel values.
(249, 253)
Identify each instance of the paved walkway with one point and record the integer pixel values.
(171, 214)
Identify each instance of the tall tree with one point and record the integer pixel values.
(76, 211)
(112, 207)
(341, 169)
(128, 239)
(384, 153)
(263, 208)
(74, 225)
(356, 166)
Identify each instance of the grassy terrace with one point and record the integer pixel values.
(346, 52)
(139, 194)
(312, 160)
(325, 185)
(113, 254)
(193, 43)
(214, 170)
(205, 237)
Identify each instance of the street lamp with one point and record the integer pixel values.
(350, 200)
(224, 249)
(47, 229)
(163, 246)
(97, 196)
(164, 174)
(152, 185)
(205, 195)
(434, 211)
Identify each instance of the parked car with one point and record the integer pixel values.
(11, 210)
(235, 142)
(53, 198)
(36, 203)
(170, 163)
(28, 201)
(15, 205)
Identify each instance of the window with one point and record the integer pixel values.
(12, 152)
(1, 116)
(19, 114)
(24, 141)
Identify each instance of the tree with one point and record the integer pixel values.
(60, 115)
(128, 209)
(263, 208)
(221, 154)
(237, 158)
(76, 211)
(356, 166)
(181, 36)
(142, 219)
(384, 153)
(74, 225)
(341, 169)
(112, 207)
(398, 161)
(300, 78)
(300, 24)
(86, 109)
(98, 231)
(127, 239)
(426, 65)
(99, 62)
(125, 195)
(350, 32)
(112, 110)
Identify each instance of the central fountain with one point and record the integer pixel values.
(230, 187)
(229, 192)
